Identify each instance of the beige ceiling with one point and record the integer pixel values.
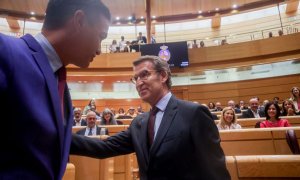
(125, 8)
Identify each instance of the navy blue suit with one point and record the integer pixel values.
(187, 145)
(35, 138)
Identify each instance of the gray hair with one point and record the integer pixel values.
(159, 65)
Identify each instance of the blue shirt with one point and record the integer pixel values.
(161, 105)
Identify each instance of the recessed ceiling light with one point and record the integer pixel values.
(234, 6)
(199, 12)
(153, 17)
(32, 13)
(118, 18)
(217, 9)
(129, 18)
(142, 17)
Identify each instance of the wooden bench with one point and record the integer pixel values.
(263, 167)
(261, 141)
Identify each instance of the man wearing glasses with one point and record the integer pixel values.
(175, 140)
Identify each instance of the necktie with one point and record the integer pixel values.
(151, 123)
(61, 73)
(90, 132)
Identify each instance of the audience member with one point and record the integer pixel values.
(242, 105)
(121, 112)
(262, 107)
(178, 141)
(113, 48)
(127, 47)
(88, 107)
(153, 40)
(276, 100)
(272, 112)
(140, 110)
(218, 107)
(253, 111)
(141, 39)
(92, 129)
(202, 44)
(270, 34)
(288, 108)
(231, 103)
(228, 120)
(194, 45)
(108, 118)
(122, 44)
(280, 32)
(295, 98)
(78, 121)
(224, 42)
(211, 106)
(131, 112)
(94, 108)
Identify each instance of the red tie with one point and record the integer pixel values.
(61, 73)
(151, 123)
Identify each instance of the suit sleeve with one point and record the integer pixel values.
(206, 139)
(119, 144)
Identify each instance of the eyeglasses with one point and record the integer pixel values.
(144, 75)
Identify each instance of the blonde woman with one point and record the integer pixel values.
(295, 97)
(228, 120)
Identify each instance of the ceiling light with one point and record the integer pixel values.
(234, 6)
(118, 18)
(217, 9)
(129, 18)
(153, 17)
(32, 13)
(199, 12)
(142, 17)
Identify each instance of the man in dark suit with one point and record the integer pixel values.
(180, 141)
(92, 129)
(231, 104)
(36, 139)
(141, 39)
(78, 121)
(253, 111)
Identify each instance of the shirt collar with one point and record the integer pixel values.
(50, 52)
(163, 102)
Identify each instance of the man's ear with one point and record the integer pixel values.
(164, 76)
(79, 20)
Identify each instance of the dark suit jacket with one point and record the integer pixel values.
(98, 129)
(187, 145)
(143, 38)
(249, 114)
(37, 146)
(83, 122)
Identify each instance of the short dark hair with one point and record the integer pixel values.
(159, 65)
(276, 107)
(58, 12)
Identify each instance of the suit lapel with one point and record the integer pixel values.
(167, 120)
(42, 61)
(143, 121)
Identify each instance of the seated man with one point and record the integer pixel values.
(92, 129)
(78, 121)
(231, 104)
(253, 111)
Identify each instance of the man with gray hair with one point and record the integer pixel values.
(78, 121)
(175, 140)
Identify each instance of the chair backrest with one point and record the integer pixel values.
(292, 141)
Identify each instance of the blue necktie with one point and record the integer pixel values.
(90, 132)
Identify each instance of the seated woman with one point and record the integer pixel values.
(88, 107)
(121, 112)
(272, 112)
(228, 120)
(108, 118)
(288, 108)
(113, 48)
